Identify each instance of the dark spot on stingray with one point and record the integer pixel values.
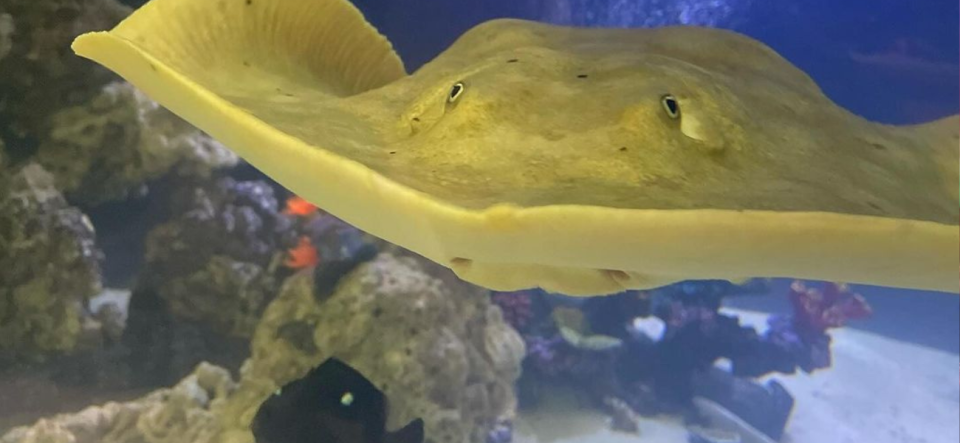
(878, 146)
(288, 94)
(408, 352)
(299, 334)
(513, 60)
(582, 76)
(246, 63)
(249, 2)
(416, 119)
(153, 67)
(874, 206)
(327, 276)
(413, 331)
(377, 312)
(623, 149)
(393, 152)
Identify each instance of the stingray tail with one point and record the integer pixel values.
(943, 136)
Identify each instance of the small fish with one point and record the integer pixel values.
(332, 404)
(299, 207)
(304, 255)
(589, 342)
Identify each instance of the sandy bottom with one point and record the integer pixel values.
(879, 391)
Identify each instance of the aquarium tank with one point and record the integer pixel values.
(479, 221)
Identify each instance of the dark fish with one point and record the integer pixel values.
(332, 404)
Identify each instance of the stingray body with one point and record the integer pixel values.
(583, 161)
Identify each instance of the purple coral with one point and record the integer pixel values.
(801, 340)
(555, 358)
(517, 308)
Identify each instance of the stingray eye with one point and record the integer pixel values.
(278, 392)
(346, 399)
(670, 106)
(455, 92)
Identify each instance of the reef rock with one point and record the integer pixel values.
(49, 266)
(112, 145)
(436, 346)
(39, 74)
(214, 261)
(210, 271)
(184, 413)
(103, 140)
(6, 32)
(766, 407)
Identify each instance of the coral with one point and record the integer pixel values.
(6, 32)
(112, 145)
(801, 340)
(39, 74)
(815, 311)
(212, 269)
(215, 260)
(436, 346)
(667, 358)
(517, 307)
(209, 273)
(551, 361)
(49, 266)
(608, 315)
(184, 413)
(102, 140)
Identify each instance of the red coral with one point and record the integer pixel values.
(304, 255)
(298, 206)
(816, 311)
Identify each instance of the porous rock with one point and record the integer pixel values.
(49, 266)
(436, 346)
(111, 146)
(39, 74)
(102, 139)
(183, 413)
(215, 260)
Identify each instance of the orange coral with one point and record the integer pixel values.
(304, 255)
(297, 206)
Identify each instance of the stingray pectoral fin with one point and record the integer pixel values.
(944, 137)
(565, 280)
(309, 93)
(261, 77)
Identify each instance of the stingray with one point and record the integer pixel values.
(582, 161)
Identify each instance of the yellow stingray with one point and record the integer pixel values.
(583, 161)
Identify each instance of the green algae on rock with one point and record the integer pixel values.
(49, 266)
(109, 147)
(435, 345)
